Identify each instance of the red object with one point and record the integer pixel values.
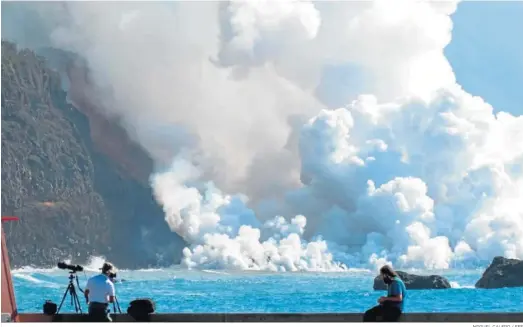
(8, 294)
(10, 218)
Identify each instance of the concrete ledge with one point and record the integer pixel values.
(6, 317)
(285, 317)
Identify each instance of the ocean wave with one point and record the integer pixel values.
(31, 279)
(457, 285)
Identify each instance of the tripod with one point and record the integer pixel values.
(72, 291)
(116, 305)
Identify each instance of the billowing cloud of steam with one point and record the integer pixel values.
(225, 234)
(419, 183)
(410, 169)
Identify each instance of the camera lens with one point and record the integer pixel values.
(63, 265)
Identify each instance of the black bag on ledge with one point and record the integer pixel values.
(49, 308)
(141, 309)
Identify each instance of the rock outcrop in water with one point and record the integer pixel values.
(502, 272)
(77, 182)
(415, 282)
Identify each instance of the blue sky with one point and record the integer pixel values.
(486, 52)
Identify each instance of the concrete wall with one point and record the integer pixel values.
(323, 317)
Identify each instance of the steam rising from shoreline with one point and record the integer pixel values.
(396, 164)
(225, 234)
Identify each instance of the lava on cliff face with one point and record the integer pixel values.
(78, 182)
(108, 136)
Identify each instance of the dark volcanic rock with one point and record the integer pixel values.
(73, 200)
(502, 272)
(416, 282)
(47, 172)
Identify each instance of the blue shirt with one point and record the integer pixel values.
(396, 288)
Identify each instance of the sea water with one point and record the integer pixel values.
(180, 290)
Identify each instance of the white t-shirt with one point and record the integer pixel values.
(100, 288)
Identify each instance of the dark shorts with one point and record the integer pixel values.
(99, 312)
(383, 312)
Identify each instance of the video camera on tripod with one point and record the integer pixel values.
(71, 289)
(50, 307)
(72, 268)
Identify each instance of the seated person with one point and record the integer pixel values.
(390, 307)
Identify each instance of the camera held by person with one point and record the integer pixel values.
(112, 276)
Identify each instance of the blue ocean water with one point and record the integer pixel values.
(179, 290)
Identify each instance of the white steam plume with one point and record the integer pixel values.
(410, 169)
(424, 184)
(225, 234)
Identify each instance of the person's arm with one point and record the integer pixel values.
(395, 293)
(111, 293)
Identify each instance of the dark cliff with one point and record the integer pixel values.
(502, 272)
(77, 182)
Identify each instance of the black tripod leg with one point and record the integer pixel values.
(63, 299)
(79, 306)
(117, 305)
(75, 300)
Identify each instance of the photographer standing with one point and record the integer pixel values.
(99, 292)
